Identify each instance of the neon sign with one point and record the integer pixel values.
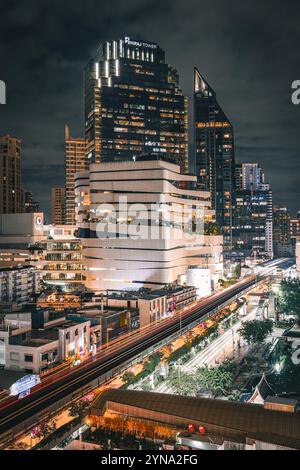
(131, 42)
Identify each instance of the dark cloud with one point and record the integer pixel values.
(248, 51)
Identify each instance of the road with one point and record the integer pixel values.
(220, 349)
(216, 352)
(14, 411)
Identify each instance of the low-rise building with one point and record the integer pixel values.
(48, 340)
(108, 323)
(152, 305)
(18, 284)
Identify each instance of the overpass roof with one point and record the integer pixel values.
(233, 420)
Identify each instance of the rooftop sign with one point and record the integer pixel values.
(132, 42)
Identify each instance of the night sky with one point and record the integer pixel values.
(248, 51)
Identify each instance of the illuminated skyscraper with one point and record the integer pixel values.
(75, 161)
(253, 219)
(214, 154)
(30, 205)
(133, 104)
(58, 206)
(282, 232)
(10, 175)
(249, 177)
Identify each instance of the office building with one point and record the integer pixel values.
(150, 242)
(10, 175)
(282, 232)
(75, 161)
(253, 216)
(294, 229)
(30, 205)
(134, 104)
(214, 154)
(58, 206)
(249, 177)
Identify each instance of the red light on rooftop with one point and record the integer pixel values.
(191, 428)
(202, 429)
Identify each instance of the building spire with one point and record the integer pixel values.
(67, 132)
(201, 85)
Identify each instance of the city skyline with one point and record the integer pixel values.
(149, 228)
(256, 99)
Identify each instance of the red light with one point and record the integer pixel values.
(191, 428)
(202, 429)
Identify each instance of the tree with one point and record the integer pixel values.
(183, 383)
(218, 380)
(289, 298)
(129, 378)
(237, 271)
(152, 362)
(256, 331)
(211, 228)
(44, 429)
(79, 408)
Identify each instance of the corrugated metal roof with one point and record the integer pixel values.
(244, 419)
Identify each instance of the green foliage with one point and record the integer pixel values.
(183, 383)
(146, 387)
(79, 408)
(237, 272)
(149, 366)
(227, 282)
(218, 380)
(289, 298)
(211, 228)
(256, 331)
(152, 362)
(45, 429)
(129, 378)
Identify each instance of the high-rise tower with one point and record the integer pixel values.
(10, 175)
(133, 104)
(214, 154)
(58, 206)
(75, 161)
(253, 218)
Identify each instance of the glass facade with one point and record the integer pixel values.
(252, 216)
(214, 154)
(133, 104)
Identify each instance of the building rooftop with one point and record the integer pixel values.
(147, 293)
(96, 310)
(231, 420)
(19, 267)
(34, 338)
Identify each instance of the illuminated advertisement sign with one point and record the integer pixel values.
(24, 385)
(131, 42)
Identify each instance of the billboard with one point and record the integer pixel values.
(24, 385)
